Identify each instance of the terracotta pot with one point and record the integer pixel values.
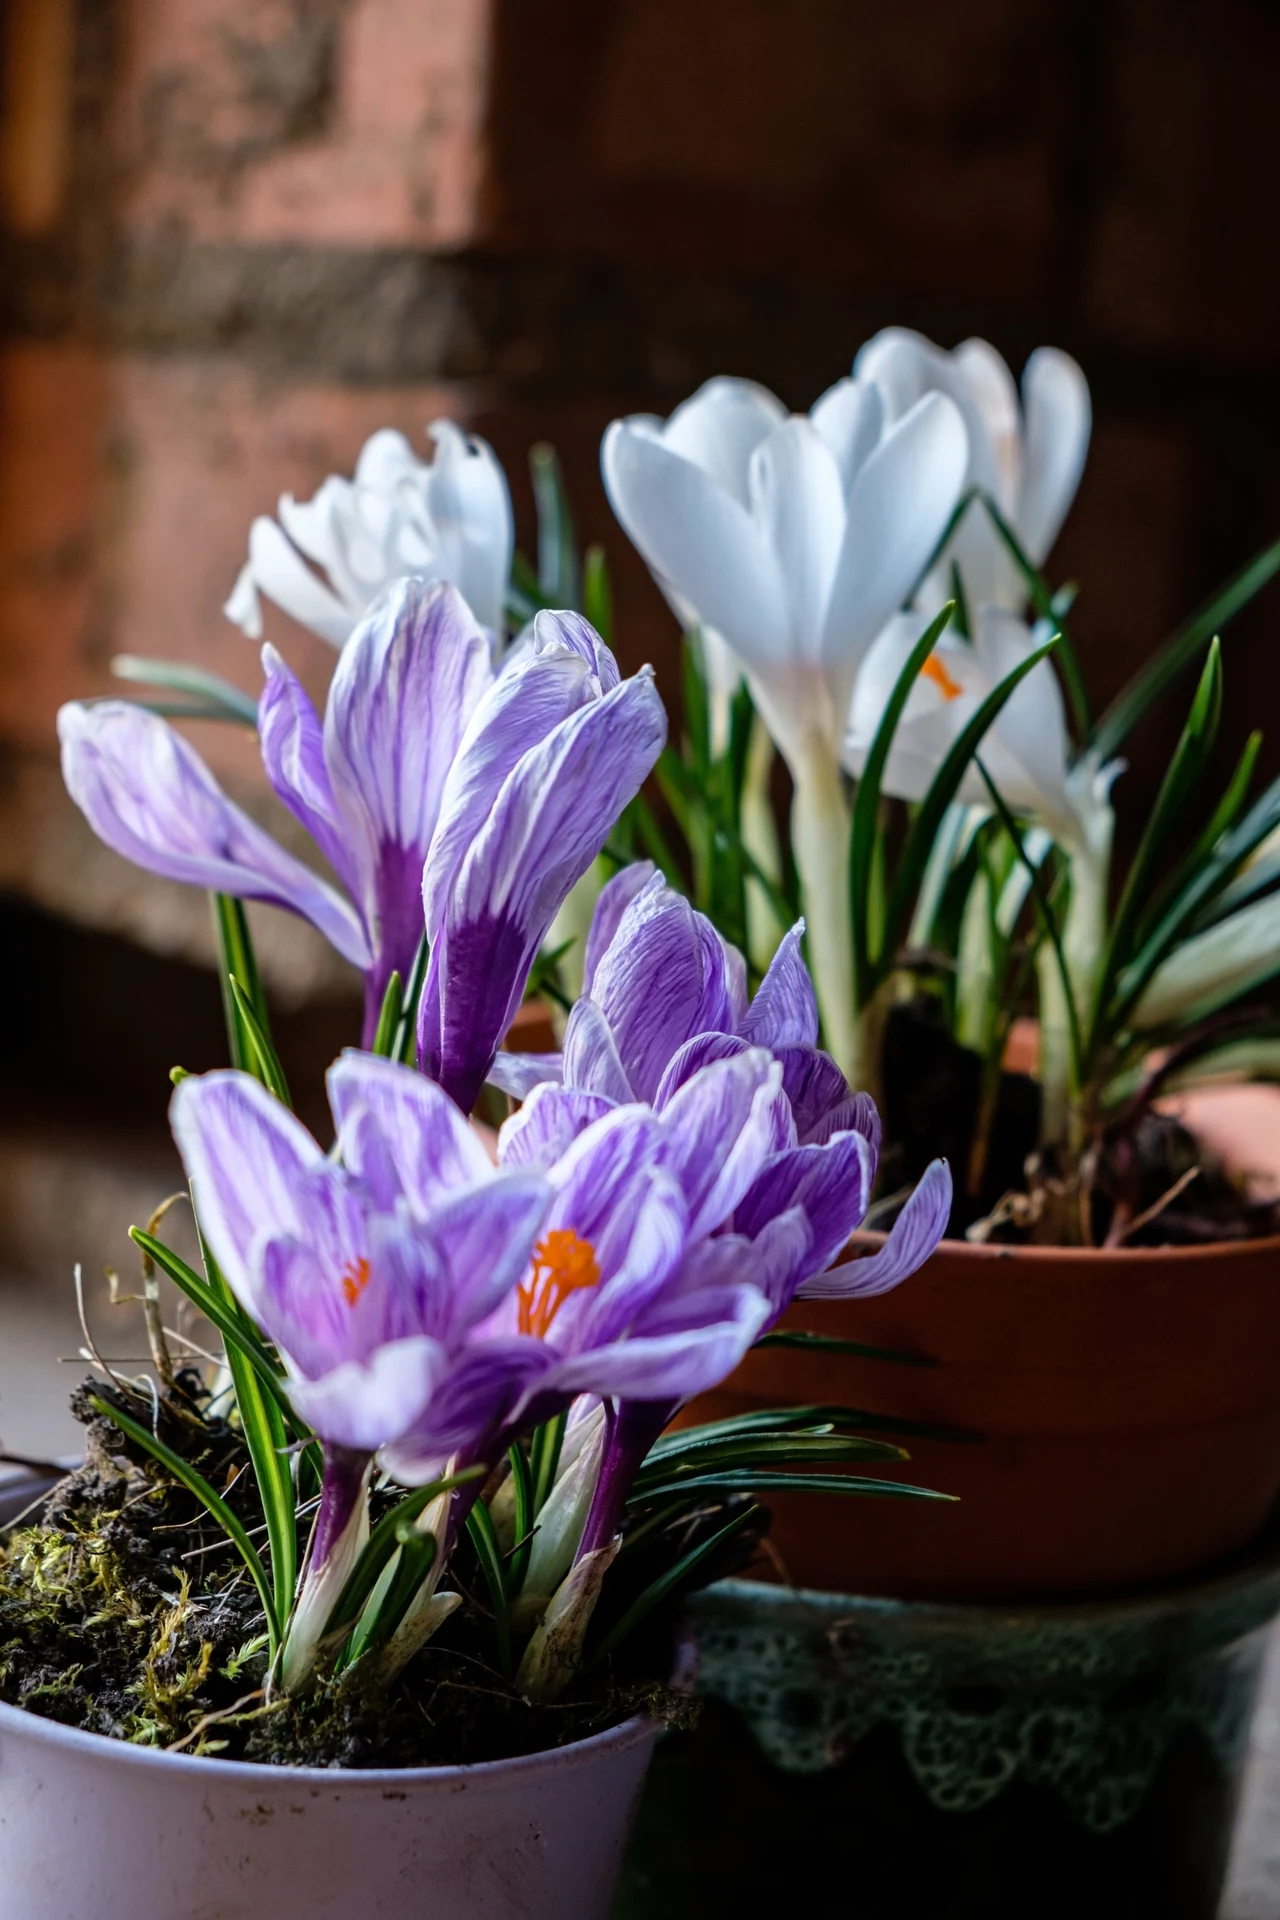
(1130, 1403)
(93, 1829)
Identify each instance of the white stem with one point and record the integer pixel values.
(820, 831)
(975, 969)
(1083, 938)
(760, 838)
(319, 1595)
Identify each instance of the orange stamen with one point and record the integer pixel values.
(934, 670)
(355, 1278)
(562, 1263)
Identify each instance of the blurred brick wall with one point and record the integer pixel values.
(238, 234)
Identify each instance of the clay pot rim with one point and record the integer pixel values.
(16, 1721)
(1085, 1257)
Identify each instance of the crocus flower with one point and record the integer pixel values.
(798, 571)
(1028, 457)
(446, 519)
(420, 740)
(369, 1272)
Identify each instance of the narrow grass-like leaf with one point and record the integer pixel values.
(928, 819)
(666, 1583)
(392, 1007)
(405, 1047)
(753, 1452)
(236, 1329)
(217, 698)
(544, 1458)
(557, 542)
(382, 1543)
(485, 1542)
(196, 1484)
(266, 1438)
(1049, 606)
(522, 1487)
(597, 592)
(1181, 650)
(746, 1481)
(1048, 919)
(1185, 769)
(266, 1066)
(958, 513)
(866, 807)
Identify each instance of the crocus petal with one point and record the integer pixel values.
(247, 1159)
(850, 418)
(590, 1060)
(426, 1139)
(549, 821)
(832, 1183)
(915, 1234)
(691, 1058)
(698, 538)
(366, 1405)
(279, 571)
(719, 427)
(471, 516)
(293, 755)
(784, 1012)
(636, 1272)
(797, 498)
(616, 896)
(1055, 396)
(818, 1093)
(899, 505)
(404, 690)
(519, 1073)
(690, 1359)
(547, 1125)
(662, 980)
(486, 1239)
(149, 795)
(720, 1129)
(480, 1394)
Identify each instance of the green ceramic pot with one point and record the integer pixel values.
(912, 1761)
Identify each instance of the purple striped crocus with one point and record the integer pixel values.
(370, 1273)
(491, 790)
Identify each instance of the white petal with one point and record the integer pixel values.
(898, 510)
(992, 394)
(1055, 396)
(280, 572)
(720, 426)
(699, 539)
(798, 502)
(850, 418)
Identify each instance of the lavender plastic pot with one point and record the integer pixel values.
(93, 1829)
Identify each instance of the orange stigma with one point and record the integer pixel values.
(562, 1263)
(355, 1278)
(934, 670)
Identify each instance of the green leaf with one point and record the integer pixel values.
(924, 827)
(236, 957)
(217, 699)
(666, 1583)
(522, 1484)
(1180, 651)
(544, 1458)
(485, 1542)
(958, 513)
(1048, 606)
(866, 807)
(236, 1329)
(267, 1439)
(382, 1543)
(1048, 919)
(405, 1048)
(557, 542)
(1185, 769)
(597, 592)
(392, 1007)
(196, 1483)
(266, 1061)
(782, 1482)
(828, 1343)
(751, 1452)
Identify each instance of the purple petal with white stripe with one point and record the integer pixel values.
(425, 1139)
(784, 1012)
(616, 896)
(590, 1060)
(292, 742)
(363, 1404)
(519, 1073)
(547, 1125)
(663, 979)
(148, 794)
(720, 1129)
(832, 1184)
(913, 1237)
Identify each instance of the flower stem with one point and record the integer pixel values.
(760, 838)
(820, 832)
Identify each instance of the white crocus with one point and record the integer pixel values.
(1028, 456)
(325, 560)
(798, 572)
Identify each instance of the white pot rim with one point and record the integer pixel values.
(17, 1722)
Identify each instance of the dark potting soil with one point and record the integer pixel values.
(932, 1089)
(124, 1611)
